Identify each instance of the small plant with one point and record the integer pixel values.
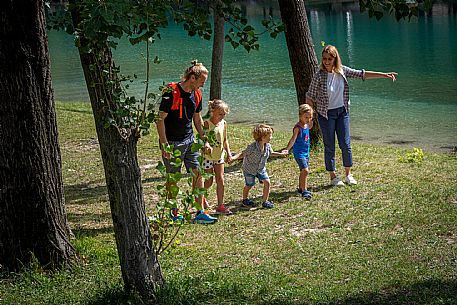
(165, 227)
(416, 156)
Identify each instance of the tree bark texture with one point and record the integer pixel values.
(300, 45)
(140, 267)
(301, 52)
(33, 222)
(217, 56)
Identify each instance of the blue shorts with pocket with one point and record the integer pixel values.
(302, 162)
(249, 179)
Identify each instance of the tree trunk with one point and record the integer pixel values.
(140, 267)
(301, 51)
(33, 223)
(218, 53)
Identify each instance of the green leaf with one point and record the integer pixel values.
(248, 29)
(235, 44)
(176, 153)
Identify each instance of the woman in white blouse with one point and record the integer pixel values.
(329, 91)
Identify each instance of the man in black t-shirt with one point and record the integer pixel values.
(178, 109)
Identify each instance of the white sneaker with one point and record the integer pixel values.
(350, 180)
(336, 182)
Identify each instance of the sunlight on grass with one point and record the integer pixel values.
(389, 240)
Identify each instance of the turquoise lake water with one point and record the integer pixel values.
(418, 110)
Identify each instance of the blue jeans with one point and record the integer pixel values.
(337, 122)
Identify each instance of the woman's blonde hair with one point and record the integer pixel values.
(261, 130)
(197, 69)
(304, 108)
(337, 64)
(218, 104)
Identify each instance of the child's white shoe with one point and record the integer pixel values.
(336, 182)
(350, 180)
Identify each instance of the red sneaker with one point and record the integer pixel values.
(222, 210)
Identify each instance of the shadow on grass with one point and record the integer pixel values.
(277, 198)
(433, 291)
(153, 179)
(320, 188)
(74, 110)
(92, 232)
(236, 166)
(84, 192)
(117, 296)
(189, 291)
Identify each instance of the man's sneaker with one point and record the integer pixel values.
(222, 210)
(350, 180)
(336, 182)
(204, 218)
(175, 216)
(248, 203)
(307, 194)
(268, 204)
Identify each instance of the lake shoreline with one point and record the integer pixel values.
(373, 139)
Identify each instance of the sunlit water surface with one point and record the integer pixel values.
(419, 110)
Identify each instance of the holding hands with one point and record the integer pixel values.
(232, 158)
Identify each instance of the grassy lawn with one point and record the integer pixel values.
(392, 239)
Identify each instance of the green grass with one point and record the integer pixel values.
(389, 240)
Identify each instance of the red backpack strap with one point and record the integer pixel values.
(198, 98)
(177, 100)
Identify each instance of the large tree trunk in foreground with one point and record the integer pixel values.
(33, 223)
(217, 56)
(140, 267)
(301, 50)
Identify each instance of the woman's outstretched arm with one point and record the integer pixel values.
(374, 74)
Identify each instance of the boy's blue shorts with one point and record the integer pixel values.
(249, 179)
(302, 162)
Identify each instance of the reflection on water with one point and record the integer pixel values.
(417, 110)
(349, 38)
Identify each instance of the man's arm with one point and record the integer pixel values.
(162, 134)
(198, 122)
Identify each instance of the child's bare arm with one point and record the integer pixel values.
(237, 156)
(292, 139)
(207, 148)
(283, 153)
(226, 144)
